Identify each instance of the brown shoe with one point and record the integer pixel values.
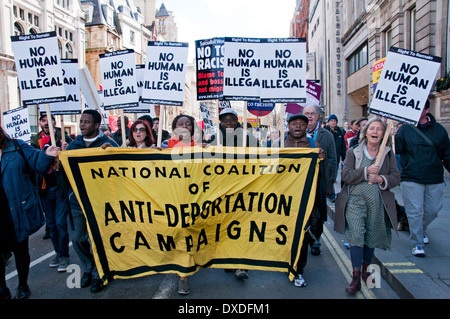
(364, 273)
(355, 285)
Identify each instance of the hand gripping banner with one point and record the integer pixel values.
(182, 209)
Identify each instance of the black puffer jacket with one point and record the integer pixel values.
(419, 161)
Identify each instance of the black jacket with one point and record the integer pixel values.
(341, 149)
(235, 138)
(55, 178)
(420, 162)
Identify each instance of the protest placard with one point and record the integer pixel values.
(165, 73)
(72, 104)
(313, 92)
(207, 119)
(87, 104)
(405, 82)
(90, 95)
(38, 68)
(260, 109)
(143, 107)
(283, 70)
(376, 72)
(209, 62)
(17, 124)
(226, 208)
(119, 81)
(241, 69)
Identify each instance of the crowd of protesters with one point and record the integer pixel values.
(33, 185)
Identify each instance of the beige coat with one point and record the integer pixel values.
(353, 174)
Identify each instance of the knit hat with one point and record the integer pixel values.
(332, 117)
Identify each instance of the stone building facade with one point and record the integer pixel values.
(20, 17)
(348, 37)
(371, 27)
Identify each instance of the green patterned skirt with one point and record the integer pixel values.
(366, 220)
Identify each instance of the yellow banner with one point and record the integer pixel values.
(176, 210)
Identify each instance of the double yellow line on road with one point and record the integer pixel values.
(403, 270)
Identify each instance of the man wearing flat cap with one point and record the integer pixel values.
(297, 137)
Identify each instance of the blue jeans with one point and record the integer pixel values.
(56, 209)
(80, 239)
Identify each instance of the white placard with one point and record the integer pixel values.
(38, 68)
(72, 105)
(88, 104)
(207, 119)
(405, 83)
(241, 69)
(165, 73)
(119, 83)
(283, 70)
(143, 107)
(17, 124)
(88, 89)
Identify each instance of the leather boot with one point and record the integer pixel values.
(355, 285)
(364, 273)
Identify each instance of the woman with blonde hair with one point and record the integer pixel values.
(365, 207)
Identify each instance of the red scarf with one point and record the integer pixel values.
(175, 142)
(45, 140)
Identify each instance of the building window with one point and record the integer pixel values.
(132, 37)
(36, 21)
(69, 51)
(63, 3)
(358, 59)
(22, 14)
(32, 31)
(18, 30)
(60, 49)
(15, 11)
(387, 41)
(412, 29)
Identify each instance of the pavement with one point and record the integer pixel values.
(414, 277)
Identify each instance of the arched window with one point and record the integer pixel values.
(32, 31)
(60, 49)
(69, 51)
(18, 30)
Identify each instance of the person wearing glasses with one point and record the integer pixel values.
(141, 135)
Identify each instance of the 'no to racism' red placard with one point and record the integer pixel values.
(209, 60)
